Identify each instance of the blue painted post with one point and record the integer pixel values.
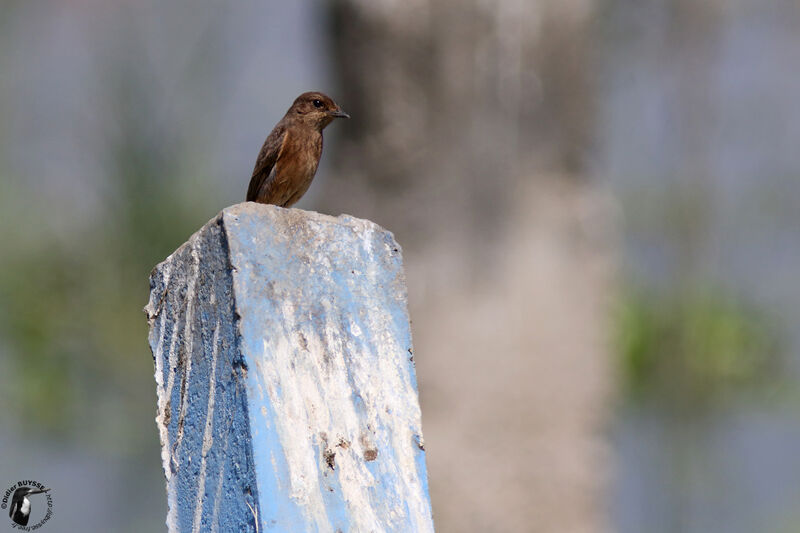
(286, 389)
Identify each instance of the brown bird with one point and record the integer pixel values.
(290, 155)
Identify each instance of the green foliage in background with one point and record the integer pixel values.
(690, 351)
(73, 331)
(75, 361)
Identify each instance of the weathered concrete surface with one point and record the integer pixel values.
(285, 377)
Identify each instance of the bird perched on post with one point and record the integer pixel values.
(290, 155)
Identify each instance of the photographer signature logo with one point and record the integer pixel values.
(27, 502)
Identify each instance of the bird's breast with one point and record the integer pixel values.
(300, 155)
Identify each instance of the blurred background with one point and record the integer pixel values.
(597, 200)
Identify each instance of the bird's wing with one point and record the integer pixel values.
(264, 170)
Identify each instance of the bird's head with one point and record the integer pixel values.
(27, 491)
(315, 109)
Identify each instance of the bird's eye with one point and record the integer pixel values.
(317, 103)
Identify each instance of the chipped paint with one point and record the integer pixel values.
(298, 399)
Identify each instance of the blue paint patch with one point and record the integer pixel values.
(255, 282)
(227, 467)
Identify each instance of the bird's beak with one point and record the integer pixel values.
(38, 491)
(338, 114)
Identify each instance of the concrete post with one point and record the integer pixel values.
(286, 389)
